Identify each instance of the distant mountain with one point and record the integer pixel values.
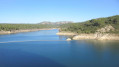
(56, 23)
(63, 22)
(45, 22)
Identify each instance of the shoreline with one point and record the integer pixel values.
(66, 33)
(94, 36)
(21, 31)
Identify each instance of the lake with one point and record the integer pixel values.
(46, 49)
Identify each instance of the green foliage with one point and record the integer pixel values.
(9, 27)
(92, 25)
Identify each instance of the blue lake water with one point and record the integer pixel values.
(51, 50)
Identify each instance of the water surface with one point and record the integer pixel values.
(54, 51)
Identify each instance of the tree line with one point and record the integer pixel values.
(10, 27)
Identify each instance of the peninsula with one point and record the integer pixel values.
(101, 29)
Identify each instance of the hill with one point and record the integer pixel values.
(56, 23)
(93, 25)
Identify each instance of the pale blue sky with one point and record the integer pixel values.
(35, 11)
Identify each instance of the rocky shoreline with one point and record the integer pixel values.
(100, 34)
(95, 36)
(65, 33)
(19, 31)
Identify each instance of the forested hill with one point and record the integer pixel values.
(10, 27)
(91, 26)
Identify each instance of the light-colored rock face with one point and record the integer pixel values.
(109, 37)
(99, 35)
(68, 39)
(65, 33)
(5, 32)
(106, 29)
(84, 36)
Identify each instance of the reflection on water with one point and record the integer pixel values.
(80, 53)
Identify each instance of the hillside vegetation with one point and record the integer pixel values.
(10, 27)
(91, 26)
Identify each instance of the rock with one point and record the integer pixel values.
(68, 39)
(65, 33)
(105, 29)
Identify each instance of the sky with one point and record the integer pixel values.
(35, 11)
